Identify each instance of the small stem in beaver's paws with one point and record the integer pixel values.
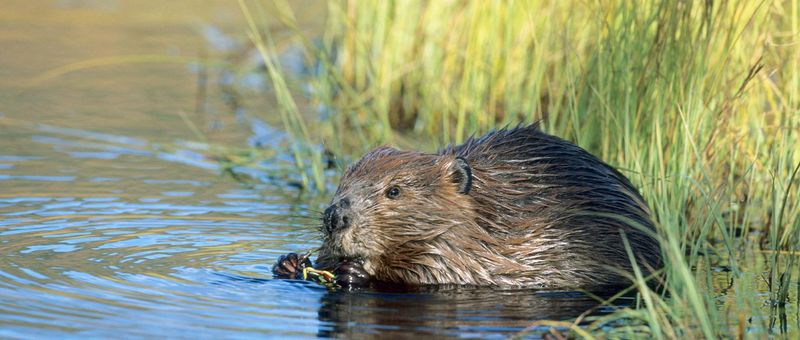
(351, 273)
(290, 266)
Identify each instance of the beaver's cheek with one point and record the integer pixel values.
(348, 242)
(360, 242)
(369, 267)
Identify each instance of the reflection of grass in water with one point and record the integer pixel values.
(698, 102)
(107, 61)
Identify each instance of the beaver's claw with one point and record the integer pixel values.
(290, 266)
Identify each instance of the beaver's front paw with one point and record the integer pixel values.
(351, 273)
(290, 266)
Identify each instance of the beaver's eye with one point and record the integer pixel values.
(393, 192)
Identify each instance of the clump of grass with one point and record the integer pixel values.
(449, 68)
(697, 102)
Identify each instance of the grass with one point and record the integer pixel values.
(698, 103)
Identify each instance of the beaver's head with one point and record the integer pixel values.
(392, 206)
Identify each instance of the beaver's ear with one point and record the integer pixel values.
(461, 175)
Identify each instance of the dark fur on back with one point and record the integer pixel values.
(537, 211)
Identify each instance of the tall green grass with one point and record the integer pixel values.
(698, 103)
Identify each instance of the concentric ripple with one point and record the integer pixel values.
(85, 266)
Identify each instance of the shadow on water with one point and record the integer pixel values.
(440, 311)
(456, 312)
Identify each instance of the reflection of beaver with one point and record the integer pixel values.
(443, 311)
(516, 207)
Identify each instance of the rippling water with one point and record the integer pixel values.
(106, 233)
(126, 242)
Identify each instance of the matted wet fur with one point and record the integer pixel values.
(516, 207)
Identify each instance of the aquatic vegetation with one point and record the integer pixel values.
(322, 276)
(698, 103)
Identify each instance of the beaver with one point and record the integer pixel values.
(516, 207)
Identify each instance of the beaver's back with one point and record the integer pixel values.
(556, 209)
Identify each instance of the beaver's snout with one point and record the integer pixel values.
(337, 216)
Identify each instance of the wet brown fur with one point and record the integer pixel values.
(539, 212)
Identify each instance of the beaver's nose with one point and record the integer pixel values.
(337, 216)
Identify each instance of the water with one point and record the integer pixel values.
(114, 222)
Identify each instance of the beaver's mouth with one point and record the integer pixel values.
(359, 260)
(338, 253)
